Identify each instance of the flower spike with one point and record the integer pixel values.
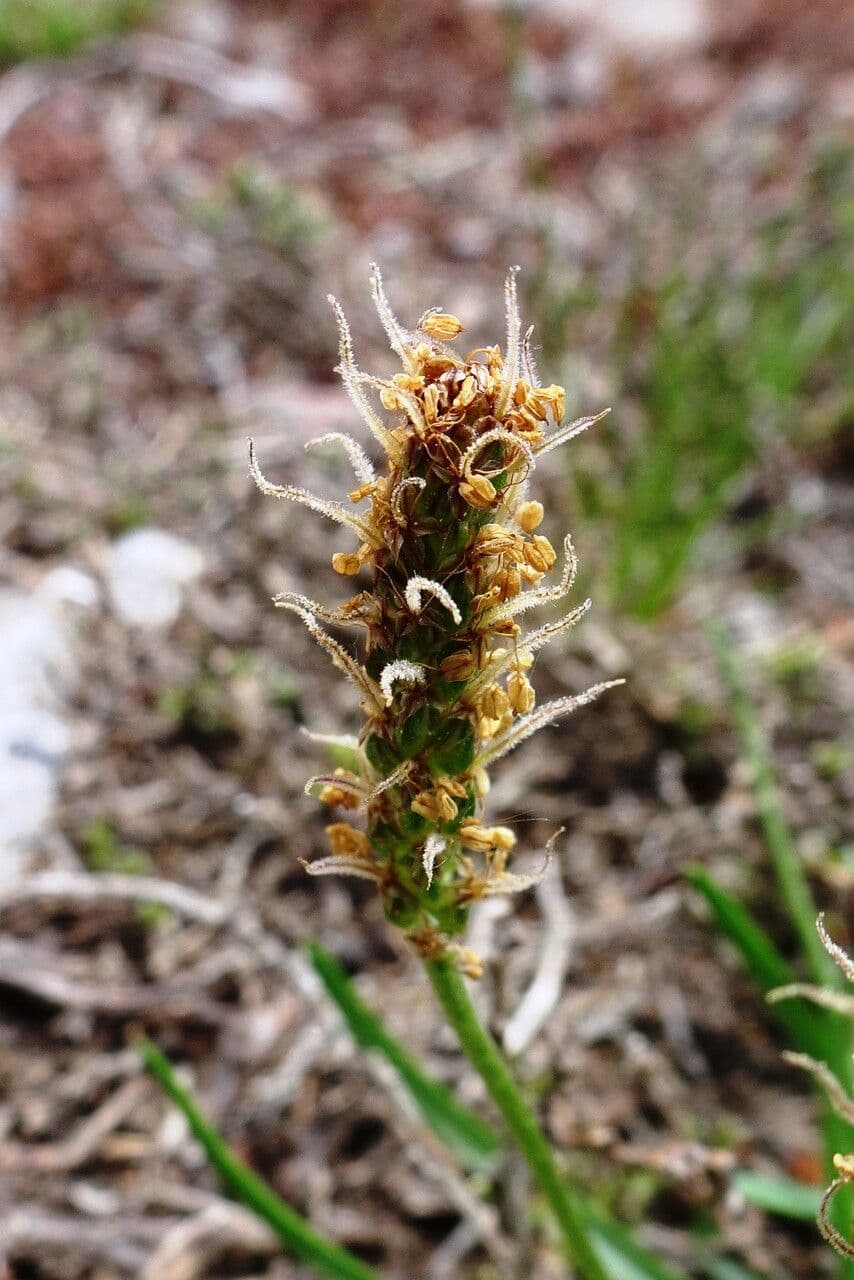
(449, 557)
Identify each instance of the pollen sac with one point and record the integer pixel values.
(449, 557)
(442, 326)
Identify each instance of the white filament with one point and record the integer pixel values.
(360, 461)
(433, 846)
(416, 587)
(527, 725)
(569, 432)
(334, 510)
(401, 669)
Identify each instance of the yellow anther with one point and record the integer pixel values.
(521, 693)
(346, 841)
(529, 516)
(346, 563)
(540, 554)
(443, 326)
(467, 392)
(478, 492)
(458, 666)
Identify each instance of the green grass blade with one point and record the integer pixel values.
(724, 1269)
(812, 1031)
(794, 888)
(818, 1032)
(469, 1137)
(624, 1258)
(782, 1196)
(464, 1132)
(327, 1258)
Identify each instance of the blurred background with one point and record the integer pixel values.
(181, 185)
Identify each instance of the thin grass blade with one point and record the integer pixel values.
(620, 1253)
(794, 887)
(328, 1259)
(470, 1138)
(781, 1196)
(813, 1031)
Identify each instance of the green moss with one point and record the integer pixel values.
(56, 28)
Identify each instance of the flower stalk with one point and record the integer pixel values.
(485, 1057)
(448, 557)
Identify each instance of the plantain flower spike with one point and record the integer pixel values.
(445, 541)
(840, 1002)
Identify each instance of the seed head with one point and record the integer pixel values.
(446, 542)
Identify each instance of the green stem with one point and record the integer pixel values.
(485, 1057)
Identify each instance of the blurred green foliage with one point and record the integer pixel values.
(56, 28)
(254, 202)
(711, 358)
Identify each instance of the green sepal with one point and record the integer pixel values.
(400, 911)
(416, 730)
(376, 660)
(387, 842)
(412, 823)
(452, 752)
(381, 754)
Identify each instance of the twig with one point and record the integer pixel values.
(542, 995)
(102, 887)
(83, 1144)
(186, 1251)
(49, 977)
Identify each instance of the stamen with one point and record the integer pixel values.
(360, 461)
(529, 367)
(408, 401)
(326, 507)
(527, 725)
(401, 669)
(542, 595)
(416, 587)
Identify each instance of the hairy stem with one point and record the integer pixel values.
(486, 1058)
